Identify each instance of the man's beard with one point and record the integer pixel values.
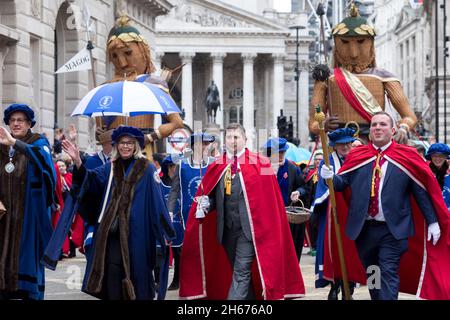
(354, 66)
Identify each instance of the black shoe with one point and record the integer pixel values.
(174, 286)
(333, 294)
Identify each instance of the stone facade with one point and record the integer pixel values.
(250, 57)
(405, 45)
(38, 36)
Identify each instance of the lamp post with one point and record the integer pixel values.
(299, 24)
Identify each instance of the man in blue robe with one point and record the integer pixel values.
(292, 185)
(27, 180)
(185, 182)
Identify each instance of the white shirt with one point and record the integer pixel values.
(380, 215)
(230, 155)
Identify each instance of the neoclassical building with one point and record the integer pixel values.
(250, 56)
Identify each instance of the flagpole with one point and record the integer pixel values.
(90, 47)
(320, 118)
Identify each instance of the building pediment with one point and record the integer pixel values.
(408, 15)
(213, 16)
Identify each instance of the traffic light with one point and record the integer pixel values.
(281, 124)
(290, 130)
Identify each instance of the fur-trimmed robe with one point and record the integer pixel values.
(26, 227)
(135, 196)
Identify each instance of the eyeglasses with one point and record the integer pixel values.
(126, 143)
(18, 120)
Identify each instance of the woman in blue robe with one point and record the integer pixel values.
(133, 217)
(438, 155)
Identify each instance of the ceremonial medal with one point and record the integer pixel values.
(9, 167)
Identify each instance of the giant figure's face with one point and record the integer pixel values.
(128, 60)
(354, 53)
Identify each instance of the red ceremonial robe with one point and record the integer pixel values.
(424, 268)
(331, 262)
(205, 271)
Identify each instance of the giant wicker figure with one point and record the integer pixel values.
(357, 88)
(130, 54)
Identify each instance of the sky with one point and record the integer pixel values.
(282, 5)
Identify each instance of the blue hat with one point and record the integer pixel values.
(343, 135)
(128, 131)
(17, 107)
(438, 148)
(277, 144)
(201, 137)
(168, 161)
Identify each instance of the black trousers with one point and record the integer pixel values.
(298, 236)
(114, 271)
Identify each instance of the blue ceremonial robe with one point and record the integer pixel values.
(446, 191)
(177, 221)
(145, 225)
(190, 178)
(37, 227)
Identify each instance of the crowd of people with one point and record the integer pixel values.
(133, 209)
(223, 214)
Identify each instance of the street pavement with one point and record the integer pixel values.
(65, 282)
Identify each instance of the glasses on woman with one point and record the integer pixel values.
(126, 143)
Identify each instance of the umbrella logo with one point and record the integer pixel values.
(105, 101)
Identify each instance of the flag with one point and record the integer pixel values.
(81, 61)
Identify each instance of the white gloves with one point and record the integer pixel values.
(295, 196)
(171, 216)
(326, 173)
(434, 232)
(202, 206)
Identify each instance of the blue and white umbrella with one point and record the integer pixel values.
(125, 98)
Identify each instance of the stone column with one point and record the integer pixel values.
(157, 57)
(186, 86)
(303, 92)
(278, 86)
(217, 76)
(248, 99)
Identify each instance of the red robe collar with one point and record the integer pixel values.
(205, 270)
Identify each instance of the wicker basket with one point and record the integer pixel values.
(298, 215)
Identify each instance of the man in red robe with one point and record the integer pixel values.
(241, 249)
(395, 205)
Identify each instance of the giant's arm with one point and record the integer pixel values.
(395, 93)
(174, 122)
